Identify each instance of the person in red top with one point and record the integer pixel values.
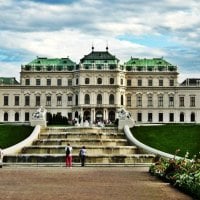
(68, 159)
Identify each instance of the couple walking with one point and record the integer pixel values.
(68, 160)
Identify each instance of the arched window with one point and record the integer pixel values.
(5, 117)
(16, 116)
(99, 81)
(182, 117)
(112, 81)
(192, 117)
(122, 100)
(87, 99)
(99, 99)
(111, 99)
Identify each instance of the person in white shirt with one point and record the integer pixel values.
(82, 155)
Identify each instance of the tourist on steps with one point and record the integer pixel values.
(68, 159)
(82, 155)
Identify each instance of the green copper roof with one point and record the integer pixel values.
(99, 55)
(52, 61)
(8, 80)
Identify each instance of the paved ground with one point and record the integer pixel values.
(58, 183)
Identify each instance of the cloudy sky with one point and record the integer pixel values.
(137, 28)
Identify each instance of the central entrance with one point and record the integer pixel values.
(99, 116)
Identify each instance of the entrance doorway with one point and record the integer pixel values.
(99, 116)
(86, 115)
(111, 116)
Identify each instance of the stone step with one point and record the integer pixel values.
(83, 142)
(60, 158)
(70, 135)
(91, 150)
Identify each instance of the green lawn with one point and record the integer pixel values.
(169, 138)
(12, 134)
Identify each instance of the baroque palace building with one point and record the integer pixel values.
(97, 87)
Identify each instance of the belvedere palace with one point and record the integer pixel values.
(96, 87)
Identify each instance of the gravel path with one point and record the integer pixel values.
(59, 183)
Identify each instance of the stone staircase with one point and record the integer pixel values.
(105, 147)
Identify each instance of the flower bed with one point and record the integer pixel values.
(184, 174)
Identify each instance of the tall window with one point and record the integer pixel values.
(160, 101)
(111, 99)
(181, 101)
(27, 81)
(192, 101)
(160, 82)
(99, 99)
(171, 82)
(122, 81)
(122, 100)
(99, 81)
(171, 101)
(5, 117)
(69, 82)
(139, 82)
(87, 81)
(16, 100)
(160, 117)
(139, 117)
(129, 82)
(150, 117)
(26, 116)
(192, 117)
(16, 116)
(59, 100)
(87, 99)
(37, 100)
(27, 100)
(69, 100)
(76, 100)
(182, 117)
(112, 80)
(139, 101)
(77, 81)
(37, 81)
(5, 99)
(48, 82)
(171, 117)
(59, 82)
(128, 100)
(150, 82)
(48, 100)
(150, 101)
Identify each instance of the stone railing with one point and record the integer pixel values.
(28, 141)
(146, 148)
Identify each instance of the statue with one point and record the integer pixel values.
(39, 117)
(124, 118)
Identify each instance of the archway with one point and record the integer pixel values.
(99, 116)
(87, 115)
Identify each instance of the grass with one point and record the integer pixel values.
(169, 138)
(12, 134)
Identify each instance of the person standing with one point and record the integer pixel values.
(68, 159)
(1, 157)
(82, 155)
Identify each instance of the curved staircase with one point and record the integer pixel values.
(105, 147)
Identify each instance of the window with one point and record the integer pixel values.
(122, 81)
(37, 100)
(192, 117)
(150, 82)
(122, 100)
(87, 99)
(129, 82)
(16, 116)
(77, 81)
(160, 117)
(59, 100)
(26, 116)
(99, 81)
(171, 117)
(48, 100)
(171, 82)
(139, 82)
(160, 82)
(69, 100)
(16, 100)
(27, 100)
(76, 100)
(150, 101)
(150, 117)
(59, 82)
(139, 101)
(192, 101)
(182, 117)
(99, 99)
(139, 117)
(5, 117)
(181, 101)
(111, 99)
(27, 81)
(69, 82)
(87, 81)
(37, 81)
(160, 101)
(171, 101)
(128, 100)
(5, 100)
(48, 82)
(112, 80)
